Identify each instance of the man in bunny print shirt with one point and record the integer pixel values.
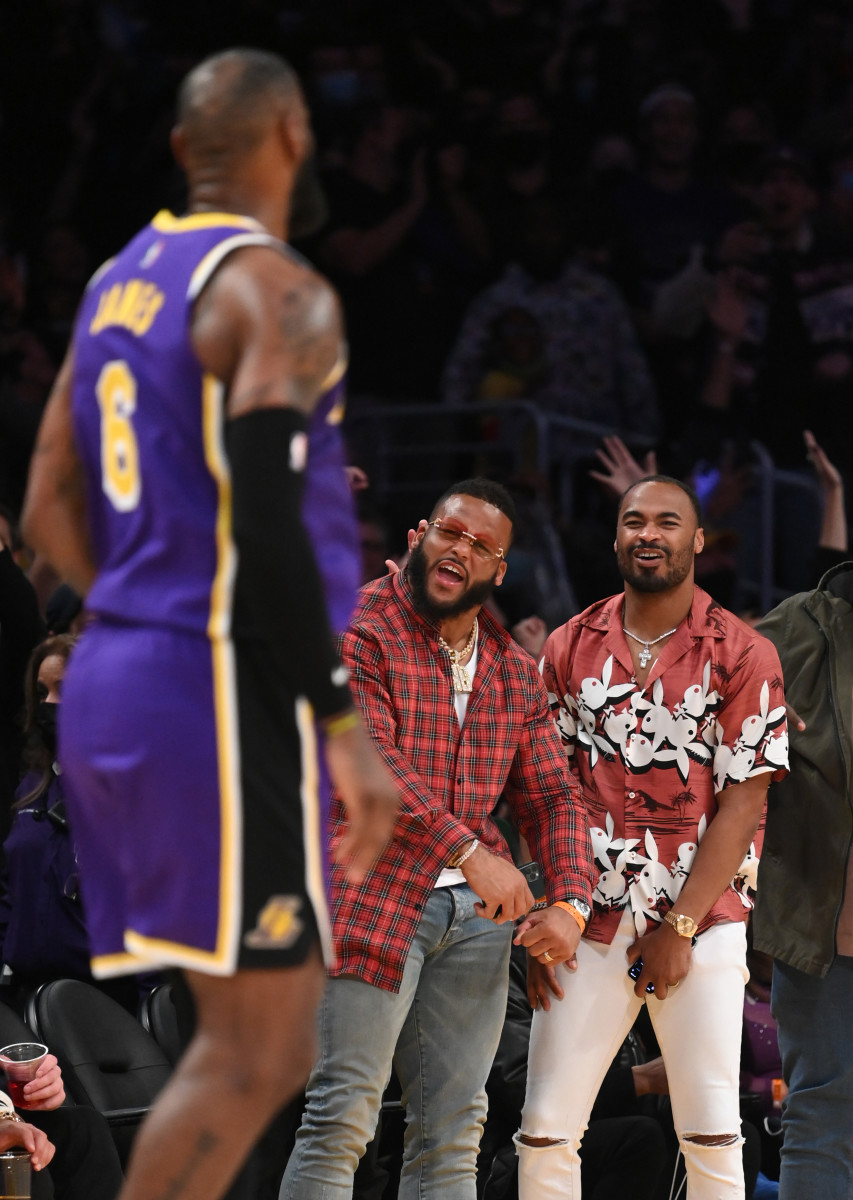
(672, 715)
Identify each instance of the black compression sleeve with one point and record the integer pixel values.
(278, 595)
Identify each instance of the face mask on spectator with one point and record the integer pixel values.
(46, 722)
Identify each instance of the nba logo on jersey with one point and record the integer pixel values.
(152, 254)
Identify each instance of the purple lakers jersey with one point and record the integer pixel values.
(328, 510)
(148, 427)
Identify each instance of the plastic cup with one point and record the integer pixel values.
(20, 1062)
(15, 1175)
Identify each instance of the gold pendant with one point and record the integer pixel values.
(461, 678)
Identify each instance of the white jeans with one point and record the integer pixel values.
(698, 1028)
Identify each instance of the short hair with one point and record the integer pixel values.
(222, 99)
(660, 95)
(481, 489)
(679, 483)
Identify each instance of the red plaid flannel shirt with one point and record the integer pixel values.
(451, 777)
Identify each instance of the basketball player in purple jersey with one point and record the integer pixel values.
(165, 487)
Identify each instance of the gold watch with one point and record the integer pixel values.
(684, 926)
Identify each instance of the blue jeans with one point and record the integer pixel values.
(440, 1031)
(816, 1043)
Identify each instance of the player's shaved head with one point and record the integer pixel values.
(225, 104)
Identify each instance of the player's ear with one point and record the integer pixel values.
(416, 537)
(179, 146)
(295, 133)
(699, 541)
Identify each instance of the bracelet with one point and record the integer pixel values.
(570, 908)
(338, 725)
(464, 857)
(7, 1115)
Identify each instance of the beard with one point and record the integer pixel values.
(474, 596)
(678, 564)
(309, 208)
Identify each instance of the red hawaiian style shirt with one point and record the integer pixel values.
(451, 777)
(651, 760)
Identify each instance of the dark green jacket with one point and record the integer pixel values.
(810, 813)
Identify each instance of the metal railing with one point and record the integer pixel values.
(412, 451)
(769, 479)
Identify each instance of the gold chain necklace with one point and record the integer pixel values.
(461, 676)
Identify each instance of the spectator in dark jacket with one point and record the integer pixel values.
(804, 913)
(21, 628)
(42, 924)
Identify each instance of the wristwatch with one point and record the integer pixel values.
(684, 926)
(584, 909)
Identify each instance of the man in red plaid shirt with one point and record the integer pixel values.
(461, 717)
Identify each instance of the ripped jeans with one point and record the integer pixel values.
(698, 1028)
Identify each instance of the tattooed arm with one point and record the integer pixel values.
(271, 330)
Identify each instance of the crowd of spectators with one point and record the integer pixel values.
(632, 212)
(637, 213)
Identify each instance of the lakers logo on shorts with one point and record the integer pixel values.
(278, 924)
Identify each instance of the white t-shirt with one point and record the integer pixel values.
(453, 875)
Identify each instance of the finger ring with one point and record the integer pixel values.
(673, 986)
(547, 957)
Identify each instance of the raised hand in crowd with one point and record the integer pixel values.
(396, 564)
(833, 531)
(621, 469)
(531, 634)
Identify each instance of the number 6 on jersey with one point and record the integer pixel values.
(116, 392)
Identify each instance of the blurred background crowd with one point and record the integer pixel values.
(575, 240)
(550, 221)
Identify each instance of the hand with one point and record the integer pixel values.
(742, 244)
(793, 717)
(827, 473)
(553, 932)
(499, 884)
(542, 984)
(650, 1078)
(16, 1133)
(357, 479)
(46, 1091)
(727, 309)
(531, 634)
(667, 957)
(621, 468)
(370, 796)
(412, 537)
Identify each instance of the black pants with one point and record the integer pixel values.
(86, 1164)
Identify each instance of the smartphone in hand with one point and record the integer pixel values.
(634, 972)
